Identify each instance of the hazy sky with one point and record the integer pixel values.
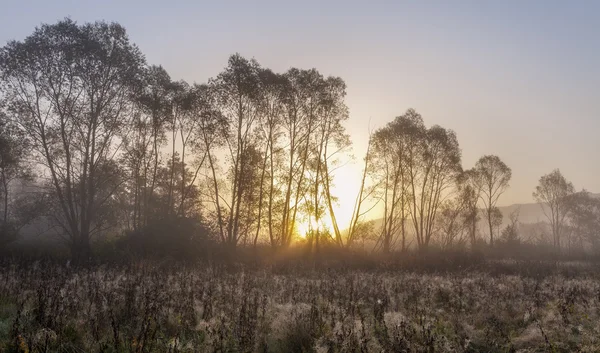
(520, 79)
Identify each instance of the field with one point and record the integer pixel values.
(492, 307)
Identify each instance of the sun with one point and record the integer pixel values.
(305, 226)
(309, 224)
(345, 188)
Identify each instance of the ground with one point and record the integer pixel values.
(504, 307)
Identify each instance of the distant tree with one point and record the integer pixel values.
(552, 194)
(510, 233)
(70, 88)
(469, 195)
(450, 229)
(492, 176)
(496, 217)
(584, 218)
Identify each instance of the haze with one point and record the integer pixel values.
(512, 79)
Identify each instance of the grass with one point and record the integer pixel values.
(500, 307)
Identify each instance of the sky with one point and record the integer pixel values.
(518, 79)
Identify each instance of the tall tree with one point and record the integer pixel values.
(300, 100)
(335, 141)
(433, 170)
(393, 148)
(492, 176)
(365, 193)
(419, 168)
(238, 90)
(70, 89)
(145, 140)
(269, 131)
(552, 194)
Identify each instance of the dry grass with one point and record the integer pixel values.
(49, 308)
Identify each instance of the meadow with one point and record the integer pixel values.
(488, 306)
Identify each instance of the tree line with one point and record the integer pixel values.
(96, 141)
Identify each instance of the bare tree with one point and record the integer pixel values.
(553, 192)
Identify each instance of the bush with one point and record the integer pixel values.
(170, 238)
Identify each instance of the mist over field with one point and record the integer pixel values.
(299, 177)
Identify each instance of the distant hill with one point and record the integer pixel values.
(530, 215)
(528, 212)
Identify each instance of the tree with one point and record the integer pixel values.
(272, 107)
(449, 228)
(70, 88)
(237, 90)
(357, 227)
(417, 169)
(469, 195)
(433, 171)
(496, 216)
(552, 194)
(509, 237)
(393, 147)
(332, 140)
(142, 146)
(301, 96)
(492, 176)
(584, 218)
(14, 168)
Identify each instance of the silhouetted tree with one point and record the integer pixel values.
(15, 169)
(433, 170)
(553, 192)
(237, 90)
(142, 146)
(450, 229)
(584, 218)
(417, 168)
(492, 177)
(357, 224)
(393, 146)
(70, 89)
(301, 103)
(469, 195)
